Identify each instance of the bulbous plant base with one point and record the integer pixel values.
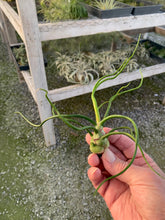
(98, 144)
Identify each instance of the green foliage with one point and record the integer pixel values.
(84, 67)
(54, 10)
(20, 55)
(161, 2)
(136, 3)
(105, 4)
(57, 10)
(77, 10)
(155, 49)
(75, 68)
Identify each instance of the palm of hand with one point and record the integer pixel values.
(126, 202)
(131, 201)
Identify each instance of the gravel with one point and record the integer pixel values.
(52, 183)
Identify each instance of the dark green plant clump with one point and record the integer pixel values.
(154, 49)
(77, 11)
(20, 55)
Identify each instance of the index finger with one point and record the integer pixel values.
(124, 144)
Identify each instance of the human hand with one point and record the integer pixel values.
(136, 194)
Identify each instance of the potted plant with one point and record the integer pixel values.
(141, 7)
(108, 8)
(20, 57)
(156, 51)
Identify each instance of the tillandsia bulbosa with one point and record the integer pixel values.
(99, 139)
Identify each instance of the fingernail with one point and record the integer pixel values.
(109, 155)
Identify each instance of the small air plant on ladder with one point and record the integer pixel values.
(99, 140)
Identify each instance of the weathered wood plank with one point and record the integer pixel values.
(76, 90)
(12, 16)
(67, 29)
(128, 35)
(30, 84)
(3, 32)
(160, 30)
(7, 33)
(8, 29)
(140, 30)
(29, 22)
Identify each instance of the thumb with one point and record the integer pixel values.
(114, 166)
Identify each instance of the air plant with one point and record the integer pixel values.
(107, 62)
(105, 4)
(132, 65)
(99, 140)
(143, 52)
(20, 55)
(82, 74)
(84, 67)
(63, 63)
(75, 68)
